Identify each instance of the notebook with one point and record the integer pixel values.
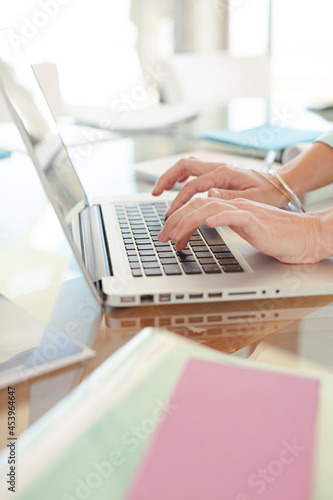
(233, 433)
(267, 137)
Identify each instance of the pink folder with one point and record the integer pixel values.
(232, 433)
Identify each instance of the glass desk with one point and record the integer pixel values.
(44, 295)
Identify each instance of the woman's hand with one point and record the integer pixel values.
(289, 237)
(219, 180)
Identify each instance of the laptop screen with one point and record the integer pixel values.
(37, 124)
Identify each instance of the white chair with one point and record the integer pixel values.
(48, 77)
(214, 77)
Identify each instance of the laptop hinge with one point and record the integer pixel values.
(93, 241)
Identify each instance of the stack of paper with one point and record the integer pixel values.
(93, 443)
(232, 432)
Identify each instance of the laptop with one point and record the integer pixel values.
(115, 240)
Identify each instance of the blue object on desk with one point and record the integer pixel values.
(267, 137)
(4, 154)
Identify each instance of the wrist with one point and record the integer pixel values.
(292, 175)
(322, 234)
(310, 170)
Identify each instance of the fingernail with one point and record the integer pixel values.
(162, 236)
(214, 193)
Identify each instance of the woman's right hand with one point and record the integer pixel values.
(219, 180)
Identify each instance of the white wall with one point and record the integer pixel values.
(91, 41)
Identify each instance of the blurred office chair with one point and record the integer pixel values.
(214, 77)
(48, 77)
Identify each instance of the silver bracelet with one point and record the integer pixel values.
(282, 191)
(295, 205)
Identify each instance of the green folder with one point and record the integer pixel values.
(90, 445)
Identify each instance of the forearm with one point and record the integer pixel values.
(310, 170)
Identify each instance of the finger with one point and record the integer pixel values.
(184, 167)
(190, 222)
(243, 222)
(198, 185)
(184, 178)
(174, 219)
(224, 194)
(180, 245)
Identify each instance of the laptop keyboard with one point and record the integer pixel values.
(140, 224)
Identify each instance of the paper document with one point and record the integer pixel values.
(151, 170)
(100, 433)
(233, 433)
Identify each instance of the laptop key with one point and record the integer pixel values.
(141, 237)
(232, 269)
(145, 253)
(163, 248)
(163, 255)
(150, 265)
(191, 268)
(224, 255)
(227, 262)
(207, 260)
(181, 253)
(135, 265)
(144, 247)
(130, 253)
(219, 248)
(197, 243)
(159, 244)
(211, 235)
(136, 273)
(171, 269)
(143, 242)
(203, 255)
(170, 260)
(186, 258)
(148, 258)
(211, 269)
(201, 248)
(153, 272)
(133, 259)
(130, 246)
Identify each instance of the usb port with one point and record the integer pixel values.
(215, 295)
(145, 299)
(165, 297)
(196, 295)
(126, 300)
(179, 296)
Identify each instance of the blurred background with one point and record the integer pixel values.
(106, 49)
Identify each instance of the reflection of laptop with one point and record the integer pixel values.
(115, 240)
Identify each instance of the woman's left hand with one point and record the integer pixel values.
(287, 236)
